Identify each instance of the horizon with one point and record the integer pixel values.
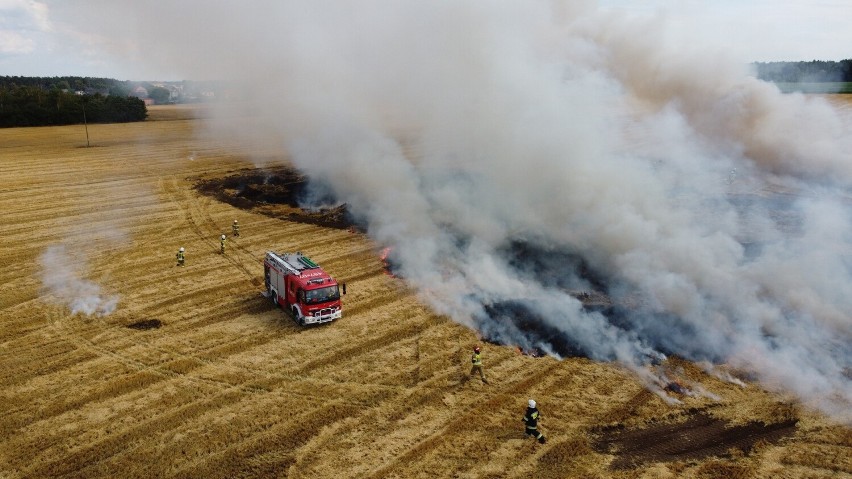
(50, 38)
(218, 80)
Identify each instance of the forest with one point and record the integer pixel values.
(814, 71)
(39, 101)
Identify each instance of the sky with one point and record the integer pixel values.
(88, 38)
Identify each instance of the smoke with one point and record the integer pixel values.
(455, 130)
(96, 230)
(62, 278)
(96, 233)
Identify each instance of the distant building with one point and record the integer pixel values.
(140, 92)
(92, 91)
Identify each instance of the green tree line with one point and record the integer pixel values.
(814, 71)
(90, 85)
(35, 106)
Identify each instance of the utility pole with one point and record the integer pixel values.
(85, 123)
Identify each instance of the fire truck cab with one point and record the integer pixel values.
(300, 286)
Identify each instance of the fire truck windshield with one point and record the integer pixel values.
(321, 295)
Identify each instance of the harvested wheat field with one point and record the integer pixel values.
(116, 363)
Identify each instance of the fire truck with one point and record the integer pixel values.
(300, 286)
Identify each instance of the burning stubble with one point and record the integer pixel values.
(91, 237)
(574, 132)
(63, 281)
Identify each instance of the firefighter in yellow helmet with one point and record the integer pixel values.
(222, 244)
(476, 364)
(179, 257)
(530, 419)
(235, 228)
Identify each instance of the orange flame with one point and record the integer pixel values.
(384, 257)
(533, 353)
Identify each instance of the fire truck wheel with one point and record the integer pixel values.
(299, 318)
(275, 298)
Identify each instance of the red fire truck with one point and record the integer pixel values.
(300, 286)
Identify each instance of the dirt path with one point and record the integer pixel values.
(195, 374)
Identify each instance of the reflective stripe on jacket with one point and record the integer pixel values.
(531, 418)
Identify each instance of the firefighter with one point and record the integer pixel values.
(531, 421)
(476, 364)
(179, 256)
(235, 228)
(222, 244)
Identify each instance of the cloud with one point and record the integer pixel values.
(21, 22)
(14, 43)
(25, 15)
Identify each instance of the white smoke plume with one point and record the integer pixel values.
(462, 131)
(65, 266)
(718, 373)
(63, 281)
(96, 232)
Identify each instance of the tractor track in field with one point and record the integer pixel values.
(430, 394)
(196, 213)
(467, 413)
(166, 373)
(281, 437)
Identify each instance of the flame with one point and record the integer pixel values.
(533, 353)
(384, 257)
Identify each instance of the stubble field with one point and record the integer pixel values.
(229, 386)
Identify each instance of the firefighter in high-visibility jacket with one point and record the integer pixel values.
(235, 228)
(531, 421)
(179, 257)
(476, 364)
(222, 244)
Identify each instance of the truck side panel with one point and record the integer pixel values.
(291, 291)
(276, 283)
